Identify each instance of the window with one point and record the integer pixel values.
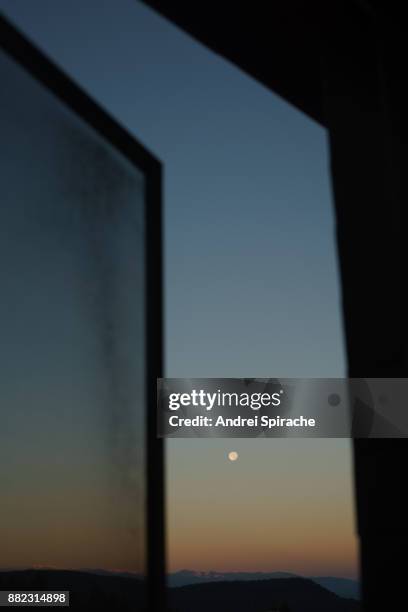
(79, 327)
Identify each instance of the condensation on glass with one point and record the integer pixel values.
(72, 333)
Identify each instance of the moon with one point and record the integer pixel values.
(233, 456)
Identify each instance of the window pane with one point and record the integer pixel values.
(72, 370)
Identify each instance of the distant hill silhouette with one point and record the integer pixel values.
(185, 577)
(103, 590)
(299, 595)
(343, 587)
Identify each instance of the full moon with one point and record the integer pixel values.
(232, 456)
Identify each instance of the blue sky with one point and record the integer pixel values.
(251, 278)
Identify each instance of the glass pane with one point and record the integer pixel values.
(72, 370)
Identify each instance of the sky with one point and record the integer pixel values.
(251, 277)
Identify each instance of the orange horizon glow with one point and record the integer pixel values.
(284, 506)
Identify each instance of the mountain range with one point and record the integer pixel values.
(276, 594)
(344, 587)
(123, 592)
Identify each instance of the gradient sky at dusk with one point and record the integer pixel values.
(251, 280)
